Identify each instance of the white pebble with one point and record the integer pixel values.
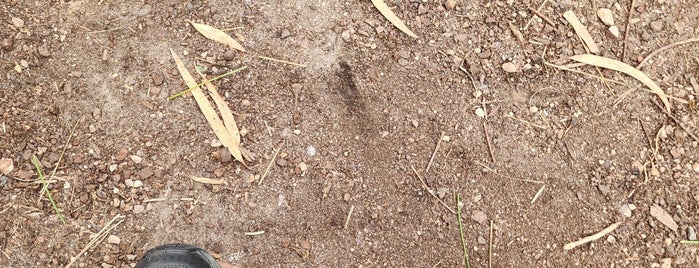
(136, 159)
(533, 109)
(137, 184)
(303, 166)
(113, 239)
(480, 112)
(311, 151)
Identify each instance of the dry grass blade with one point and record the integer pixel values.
(207, 180)
(215, 122)
(624, 68)
(581, 31)
(217, 35)
(591, 238)
(98, 238)
(391, 17)
(226, 113)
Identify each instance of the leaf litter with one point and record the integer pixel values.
(222, 133)
(217, 35)
(624, 68)
(391, 17)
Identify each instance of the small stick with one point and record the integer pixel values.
(645, 132)
(3, 253)
(271, 162)
(98, 238)
(348, 216)
(626, 32)
(424, 185)
(542, 16)
(436, 148)
(505, 176)
(487, 139)
(643, 62)
(538, 193)
(532, 19)
(591, 238)
(254, 233)
(676, 121)
(461, 230)
(490, 248)
(283, 61)
(526, 122)
(437, 264)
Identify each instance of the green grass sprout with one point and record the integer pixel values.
(206, 81)
(461, 230)
(45, 184)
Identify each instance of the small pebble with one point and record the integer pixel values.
(229, 55)
(657, 25)
(695, 167)
(303, 167)
(136, 159)
(482, 240)
(479, 216)
(691, 233)
(216, 143)
(533, 109)
(614, 30)
(224, 155)
(625, 210)
(138, 209)
(450, 4)
(606, 16)
(510, 67)
(17, 22)
(480, 112)
(128, 182)
(137, 184)
(311, 151)
(611, 239)
(113, 239)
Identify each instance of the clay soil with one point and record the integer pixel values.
(540, 156)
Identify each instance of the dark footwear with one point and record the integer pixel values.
(177, 256)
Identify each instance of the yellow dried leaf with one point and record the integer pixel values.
(226, 113)
(391, 17)
(209, 113)
(207, 180)
(217, 35)
(624, 68)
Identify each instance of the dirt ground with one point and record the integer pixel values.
(571, 154)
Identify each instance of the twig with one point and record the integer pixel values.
(591, 238)
(490, 248)
(98, 238)
(643, 62)
(532, 19)
(542, 16)
(538, 193)
(282, 61)
(6, 256)
(348, 216)
(645, 132)
(676, 121)
(505, 176)
(626, 32)
(58, 163)
(424, 185)
(487, 140)
(254, 233)
(436, 147)
(271, 162)
(461, 230)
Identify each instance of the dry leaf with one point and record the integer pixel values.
(217, 35)
(624, 68)
(661, 215)
(581, 31)
(225, 111)
(6, 166)
(391, 17)
(207, 180)
(209, 113)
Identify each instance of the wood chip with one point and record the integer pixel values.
(6, 166)
(624, 68)
(207, 180)
(661, 215)
(217, 35)
(591, 238)
(581, 31)
(391, 17)
(212, 118)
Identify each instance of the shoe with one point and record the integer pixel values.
(177, 256)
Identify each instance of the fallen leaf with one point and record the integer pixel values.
(581, 31)
(226, 113)
(624, 68)
(217, 35)
(6, 166)
(661, 215)
(207, 180)
(391, 17)
(209, 113)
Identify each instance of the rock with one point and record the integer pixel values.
(303, 167)
(625, 210)
(224, 155)
(138, 209)
(229, 55)
(137, 184)
(157, 80)
(136, 159)
(614, 30)
(450, 4)
(480, 112)
(6, 166)
(113, 239)
(510, 67)
(666, 263)
(311, 151)
(611, 239)
(482, 240)
(17, 22)
(128, 183)
(691, 233)
(695, 167)
(442, 191)
(43, 50)
(121, 154)
(285, 33)
(144, 174)
(479, 216)
(657, 25)
(606, 16)
(604, 189)
(96, 113)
